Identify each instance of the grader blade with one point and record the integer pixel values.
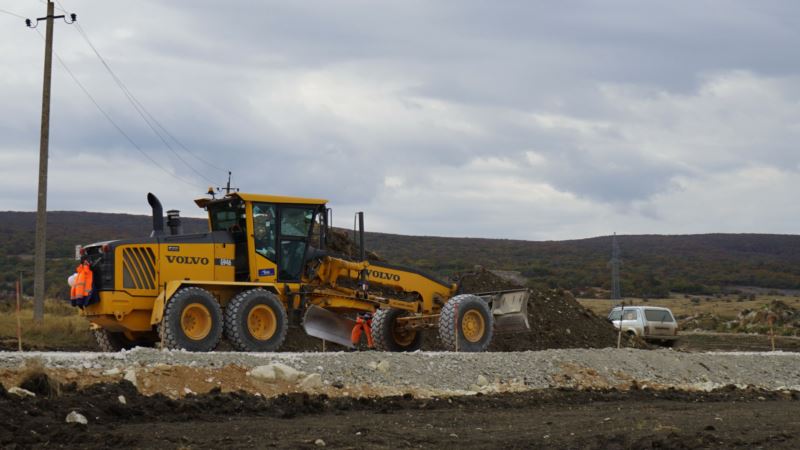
(510, 311)
(329, 326)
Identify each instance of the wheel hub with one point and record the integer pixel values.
(261, 322)
(196, 321)
(473, 326)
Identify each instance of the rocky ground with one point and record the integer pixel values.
(176, 373)
(578, 398)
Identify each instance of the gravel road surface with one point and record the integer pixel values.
(459, 372)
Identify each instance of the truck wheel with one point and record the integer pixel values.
(112, 342)
(387, 337)
(255, 321)
(192, 321)
(466, 324)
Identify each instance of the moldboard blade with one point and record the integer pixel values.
(329, 326)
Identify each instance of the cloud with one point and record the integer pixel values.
(531, 120)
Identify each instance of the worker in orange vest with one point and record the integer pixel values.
(81, 292)
(363, 325)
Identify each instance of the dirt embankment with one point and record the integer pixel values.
(118, 416)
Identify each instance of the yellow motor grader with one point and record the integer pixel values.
(262, 264)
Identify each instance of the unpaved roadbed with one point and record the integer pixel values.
(726, 418)
(421, 373)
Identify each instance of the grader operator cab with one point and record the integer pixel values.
(263, 265)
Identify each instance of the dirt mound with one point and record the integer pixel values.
(482, 280)
(557, 320)
(339, 242)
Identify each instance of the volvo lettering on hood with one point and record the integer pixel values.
(187, 259)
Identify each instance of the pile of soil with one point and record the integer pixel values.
(339, 241)
(556, 319)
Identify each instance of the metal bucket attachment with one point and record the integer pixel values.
(510, 311)
(329, 326)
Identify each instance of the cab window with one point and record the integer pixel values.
(614, 315)
(264, 234)
(227, 216)
(629, 315)
(295, 222)
(658, 315)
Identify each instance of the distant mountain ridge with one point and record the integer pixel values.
(652, 265)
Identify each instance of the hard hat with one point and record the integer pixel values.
(71, 279)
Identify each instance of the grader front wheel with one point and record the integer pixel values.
(389, 336)
(466, 324)
(192, 321)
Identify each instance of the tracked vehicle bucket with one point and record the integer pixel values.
(510, 310)
(327, 325)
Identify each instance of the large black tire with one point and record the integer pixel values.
(471, 335)
(387, 338)
(255, 321)
(112, 342)
(192, 321)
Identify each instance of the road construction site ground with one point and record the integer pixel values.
(586, 398)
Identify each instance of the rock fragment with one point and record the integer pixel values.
(312, 381)
(276, 372)
(76, 417)
(130, 375)
(20, 392)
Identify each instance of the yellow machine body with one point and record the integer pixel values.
(139, 277)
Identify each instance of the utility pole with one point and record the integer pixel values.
(615, 291)
(44, 142)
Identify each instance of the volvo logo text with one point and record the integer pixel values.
(384, 275)
(187, 259)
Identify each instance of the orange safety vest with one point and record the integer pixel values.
(363, 325)
(82, 290)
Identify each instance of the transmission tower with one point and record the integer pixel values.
(615, 262)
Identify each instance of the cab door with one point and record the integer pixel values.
(294, 230)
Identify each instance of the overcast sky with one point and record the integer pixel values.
(513, 119)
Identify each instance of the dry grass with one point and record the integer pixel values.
(727, 307)
(62, 328)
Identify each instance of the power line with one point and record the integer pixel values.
(110, 120)
(140, 109)
(150, 120)
(12, 14)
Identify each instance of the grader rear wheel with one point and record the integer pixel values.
(388, 336)
(466, 324)
(255, 321)
(192, 321)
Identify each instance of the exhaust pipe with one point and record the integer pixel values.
(158, 215)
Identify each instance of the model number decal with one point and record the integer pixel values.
(224, 262)
(187, 259)
(173, 248)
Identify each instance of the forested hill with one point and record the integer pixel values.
(651, 264)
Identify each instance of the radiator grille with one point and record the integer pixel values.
(138, 268)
